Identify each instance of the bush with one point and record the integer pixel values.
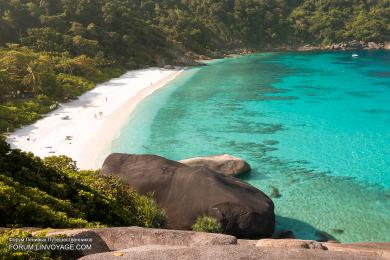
(148, 214)
(5, 253)
(5, 126)
(109, 73)
(73, 86)
(15, 115)
(54, 193)
(207, 224)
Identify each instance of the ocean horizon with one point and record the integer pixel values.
(315, 126)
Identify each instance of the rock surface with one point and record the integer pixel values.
(225, 164)
(362, 249)
(169, 67)
(309, 47)
(336, 46)
(225, 253)
(141, 243)
(351, 45)
(291, 243)
(186, 193)
(99, 244)
(355, 45)
(120, 238)
(369, 249)
(373, 45)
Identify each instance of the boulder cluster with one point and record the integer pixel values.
(357, 45)
(197, 188)
(224, 164)
(202, 186)
(347, 46)
(148, 244)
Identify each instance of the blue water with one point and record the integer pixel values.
(314, 125)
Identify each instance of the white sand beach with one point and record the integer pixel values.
(83, 128)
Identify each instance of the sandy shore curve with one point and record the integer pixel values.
(83, 128)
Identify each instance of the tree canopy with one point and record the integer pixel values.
(54, 50)
(132, 31)
(54, 193)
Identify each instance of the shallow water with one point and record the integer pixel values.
(314, 125)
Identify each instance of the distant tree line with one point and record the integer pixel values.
(54, 50)
(142, 31)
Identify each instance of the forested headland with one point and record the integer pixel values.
(54, 50)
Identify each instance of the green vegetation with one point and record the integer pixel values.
(32, 83)
(142, 31)
(54, 50)
(207, 224)
(5, 253)
(53, 193)
(325, 22)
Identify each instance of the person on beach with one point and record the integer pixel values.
(95, 116)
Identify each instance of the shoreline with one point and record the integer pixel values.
(353, 45)
(84, 128)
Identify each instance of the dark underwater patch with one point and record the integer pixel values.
(362, 94)
(377, 111)
(380, 74)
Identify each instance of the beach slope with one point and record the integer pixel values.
(82, 128)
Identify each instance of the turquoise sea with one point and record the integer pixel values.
(316, 126)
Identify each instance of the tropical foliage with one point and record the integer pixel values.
(207, 224)
(32, 83)
(8, 254)
(54, 50)
(54, 193)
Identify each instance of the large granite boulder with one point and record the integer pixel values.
(374, 46)
(379, 249)
(143, 243)
(355, 45)
(120, 238)
(157, 252)
(185, 193)
(309, 47)
(368, 249)
(225, 164)
(335, 46)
